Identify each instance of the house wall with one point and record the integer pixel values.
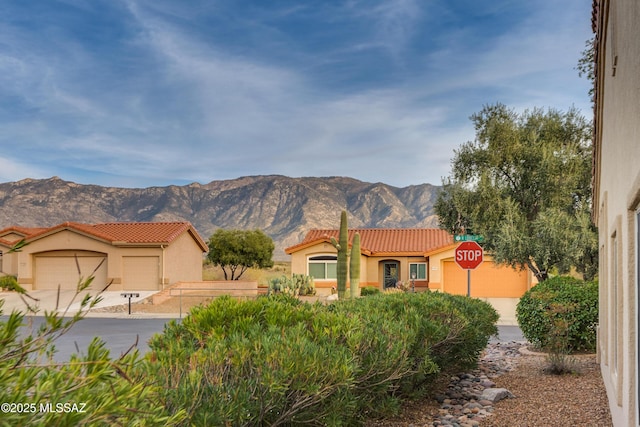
(63, 240)
(9, 262)
(501, 286)
(182, 260)
(323, 287)
(617, 192)
(371, 268)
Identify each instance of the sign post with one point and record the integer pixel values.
(469, 255)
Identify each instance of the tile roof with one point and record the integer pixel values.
(379, 241)
(25, 231)
(120, 232)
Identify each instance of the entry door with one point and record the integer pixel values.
(390, 274)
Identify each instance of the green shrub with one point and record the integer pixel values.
(277, 361)
(9, 283)
(89, 389)
(369, 290)
(560, 300)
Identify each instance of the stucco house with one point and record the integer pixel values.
(130, 256)
(389, 256)
(616, 202)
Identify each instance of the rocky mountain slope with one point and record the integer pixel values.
(284, 208)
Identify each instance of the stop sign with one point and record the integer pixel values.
(468, 255)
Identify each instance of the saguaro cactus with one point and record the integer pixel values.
(354, 266)
(342, 245)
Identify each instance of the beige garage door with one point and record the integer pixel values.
(487, 281)
(140, 273)
(52, 271)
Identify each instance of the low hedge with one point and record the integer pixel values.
(275, 360)
(560, 300)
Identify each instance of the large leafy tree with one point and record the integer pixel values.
(524, 183)
(238, 250)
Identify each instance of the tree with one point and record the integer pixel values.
(238, 250)
(586, 66)
(524, 183)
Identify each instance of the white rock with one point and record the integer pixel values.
(496, 394)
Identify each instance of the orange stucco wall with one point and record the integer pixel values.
(487, 281)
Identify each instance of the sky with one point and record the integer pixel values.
(139, 93)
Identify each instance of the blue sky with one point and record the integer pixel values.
(138, 93)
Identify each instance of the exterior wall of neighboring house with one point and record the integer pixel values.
(55, 247)
(52, 259)
(371, 267)
(617, 201)
(183, 260)
(9, 260)
(501, 286)
(300, 260)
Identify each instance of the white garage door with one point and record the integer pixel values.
(140, 273)
(52, 271)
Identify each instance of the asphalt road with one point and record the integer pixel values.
(119, 334)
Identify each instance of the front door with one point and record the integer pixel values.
(390, 274)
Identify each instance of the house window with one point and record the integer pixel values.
(614, 304)
(418, 271)
(323, 267)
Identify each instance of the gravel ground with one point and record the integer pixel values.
(540, 400)
(552, 400)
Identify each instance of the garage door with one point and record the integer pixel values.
(52, 271)
(487, 281)
(140, 273)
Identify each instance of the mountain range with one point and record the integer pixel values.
(284, 208)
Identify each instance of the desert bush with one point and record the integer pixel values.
(557, 301)
(277, 361)
(9, 283)
(265, 362)
(369, 290)
(89, 389)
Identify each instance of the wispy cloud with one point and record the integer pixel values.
(155, 92)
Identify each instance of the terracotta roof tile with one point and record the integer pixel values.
(126, 232)
(25, 231)
(382, 240)
(143, 232)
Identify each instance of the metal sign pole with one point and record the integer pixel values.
(468, 282)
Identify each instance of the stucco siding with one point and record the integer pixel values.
(617, 194)
(182, 261)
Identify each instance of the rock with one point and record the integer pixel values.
(496, 394)
(470, 396)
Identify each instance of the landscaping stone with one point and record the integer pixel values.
(470, 396)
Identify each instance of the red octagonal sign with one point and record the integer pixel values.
(469, 255)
